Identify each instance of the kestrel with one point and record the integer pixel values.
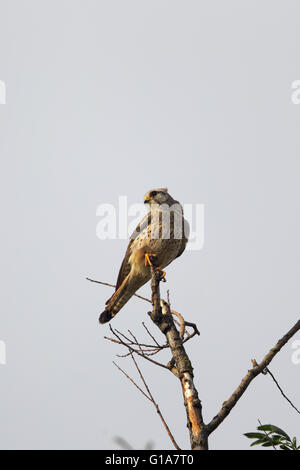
(161, 236)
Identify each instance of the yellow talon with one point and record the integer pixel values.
(148, 259)
(148, 262)
(162, 273)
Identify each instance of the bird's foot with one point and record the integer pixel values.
(162, 274)
(148, 260)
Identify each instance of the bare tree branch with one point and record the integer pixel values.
(281, 391)
(132, 381)
(252, 373)
(162, 317)
(139, 353)
(149, 396)
(156, 405)
(150, 334)
(113, 285)
(180, 363)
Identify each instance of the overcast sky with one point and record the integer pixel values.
(112, 98)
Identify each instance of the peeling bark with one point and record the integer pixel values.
(162, 317)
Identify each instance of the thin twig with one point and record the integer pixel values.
(182, 322)
(122, 334)
(132, 343)
(281, 391)
(151, 336)
(132, 381)
(150, 301)
(149, 396)
(156, 405)
(113, 285)
(136, 341)
(199, 441)
(252, 373)
(193, 325)
(150, 347)
(137, 352)
(267, 435)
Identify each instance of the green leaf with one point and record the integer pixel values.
(256, 443)
(284, 447)
(267, 444)
(252, 435)
(274, 429)
(276, 439)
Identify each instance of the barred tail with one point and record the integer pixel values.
(116, 302)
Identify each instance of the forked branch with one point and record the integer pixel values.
(252, 373)
(181, 366)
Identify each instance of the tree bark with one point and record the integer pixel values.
(181, 366)
(162, 317)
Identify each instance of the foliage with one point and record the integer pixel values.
(272, 436)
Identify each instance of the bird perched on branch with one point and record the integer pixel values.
(159, 238)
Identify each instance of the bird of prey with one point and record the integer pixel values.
(161, 236)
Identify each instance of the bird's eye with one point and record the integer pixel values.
(153, 194)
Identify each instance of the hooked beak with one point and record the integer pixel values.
(147, 199)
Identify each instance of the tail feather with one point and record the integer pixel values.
(105, 316)
(116, 302)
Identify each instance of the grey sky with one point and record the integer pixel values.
(110, 98)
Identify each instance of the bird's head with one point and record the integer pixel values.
(157, 197)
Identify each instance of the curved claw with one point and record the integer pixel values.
(162, 274)
(148, 257)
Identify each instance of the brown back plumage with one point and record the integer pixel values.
(132, 275)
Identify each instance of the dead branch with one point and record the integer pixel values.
(132, 350)
(113, 285)
(252, 373)
(180, 363)
(281, 391)
(150, 334)
(162, 317)
(149, 396)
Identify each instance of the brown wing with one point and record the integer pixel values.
(125, 266)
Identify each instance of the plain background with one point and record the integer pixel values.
(110, 98)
